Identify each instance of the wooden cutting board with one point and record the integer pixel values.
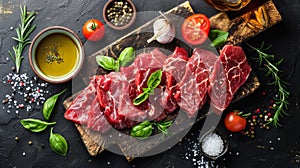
(239, 30)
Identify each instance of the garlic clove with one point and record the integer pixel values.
(167, 37)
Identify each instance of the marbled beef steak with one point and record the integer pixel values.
(108, 100)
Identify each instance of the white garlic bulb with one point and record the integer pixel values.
(164, 31)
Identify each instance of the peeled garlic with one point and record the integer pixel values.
(164, 31)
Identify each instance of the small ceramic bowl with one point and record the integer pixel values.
(225, 143)
(33, 56)
(124, 13)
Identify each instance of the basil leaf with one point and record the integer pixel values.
(154, 79)
(117, 66)
(127, 56)
(35, 125)
(141, 98)
(218, 37)
(142, 130)
(166, 124)
(49, 105)
(163, 126)
(106, 62)
(58, 143)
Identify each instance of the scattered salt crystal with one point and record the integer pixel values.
(23, 153)
(212, 145)
(23, 86)
(108, 163)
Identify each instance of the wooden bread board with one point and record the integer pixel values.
(238, 30)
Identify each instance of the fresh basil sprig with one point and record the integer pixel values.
(218, 37)
(58, 143)
(153, 81)
(144, 129)
(35, 125)
(49, 104)
(125, 58)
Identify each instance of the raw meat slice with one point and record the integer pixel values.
(114, 92)
(125, 104)
(96, 118)
(146, 61)
(208, 58)
(192, 89)
(175, 63)
(174, 66)
(77, 111)
(107, 101)
(230, 72)
(167, 100)
(152, 105)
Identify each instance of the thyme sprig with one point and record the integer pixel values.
(23, 32)
(270, 66)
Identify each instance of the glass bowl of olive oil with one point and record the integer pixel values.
(56, 54)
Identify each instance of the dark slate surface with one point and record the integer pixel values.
(243, 151)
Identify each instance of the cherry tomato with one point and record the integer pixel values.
(93, 30)
(195, 29)
(234, 122)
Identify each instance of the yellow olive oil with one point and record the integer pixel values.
(56, 55)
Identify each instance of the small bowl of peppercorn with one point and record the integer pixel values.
(119, 14)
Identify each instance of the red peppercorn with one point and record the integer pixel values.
(269, 114)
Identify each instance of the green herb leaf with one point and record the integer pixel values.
(106, 62)
(142, 130)
(35, 125)
(141, 98)
(58, 143)
(127, 56)
(163, 126)
(218, 37)
(154, 79)
(23, 32)
(49, 105)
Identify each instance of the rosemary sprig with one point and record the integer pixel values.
(271, 69)
(23, 32)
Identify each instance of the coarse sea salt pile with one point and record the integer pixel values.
(212, 145)
(25, 92)
(192, 153)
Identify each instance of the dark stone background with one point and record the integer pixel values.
(243, 151)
